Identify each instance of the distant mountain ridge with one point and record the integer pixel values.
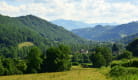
(70, 24)
(108, 34)
(129, 39)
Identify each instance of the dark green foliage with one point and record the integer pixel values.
(80, 58)
(49, 30)
(32, 29)
(86, 58)
(60, 60)
(118, 71)
(133, 47)
(1, 67)
(21, 65)
(122, 71)
(9, 52)
(34, 60)
(75, 63)
(106, 52)
(10, 67)
(126, 54)
(115, 49)
(101, 57)
(12, 35)
(126, 63)
(77, 57)
(86, 65)
(134, 63)
(23, 52)
(98, 60)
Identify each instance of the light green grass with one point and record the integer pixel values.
(25, 44)
(127, 77)
(77, 73)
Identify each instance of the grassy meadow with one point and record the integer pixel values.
(25, 44)
(77, 73)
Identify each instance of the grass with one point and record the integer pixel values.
(23, 44)
(127, 77)
(77, 73)
(128, 70)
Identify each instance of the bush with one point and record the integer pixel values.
(123, 71)
(85, 65)
(118, 71)
(126, 55)
(75, 63)
(98, 60)
(126, 63)
(134, 63)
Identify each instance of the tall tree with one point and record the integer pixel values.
(115, 49)
(133, 47)
(34, 60)
(107, 54)
(98, 60)
(58, 59)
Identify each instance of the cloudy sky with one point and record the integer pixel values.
(90, 11)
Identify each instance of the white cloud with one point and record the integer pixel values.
(91, 11)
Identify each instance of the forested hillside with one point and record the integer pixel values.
(14, 30)
(110, 33)
(130, 38)
(48, 30)
(92, 33)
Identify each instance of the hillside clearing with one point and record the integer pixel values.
(75, 74)
(23, 44)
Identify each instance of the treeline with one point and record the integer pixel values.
(55, 59)
(103, 55)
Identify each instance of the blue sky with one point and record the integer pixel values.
(89, 11)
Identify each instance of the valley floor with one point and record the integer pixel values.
(76, 73)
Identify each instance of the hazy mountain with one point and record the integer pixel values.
(108, 34)
(129, 39)
(70, 24)
(92, 33)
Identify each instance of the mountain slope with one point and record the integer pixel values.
(49, 30)
(92, 33)
(15, 30)
(129, 39)
(114, 33)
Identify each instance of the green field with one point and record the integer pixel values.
(77, 73)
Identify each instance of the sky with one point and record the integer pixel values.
(89, 11)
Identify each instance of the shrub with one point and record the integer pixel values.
(118, 71)
(123, 71)
(126, 63)
(85, 65)
(75, 63)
